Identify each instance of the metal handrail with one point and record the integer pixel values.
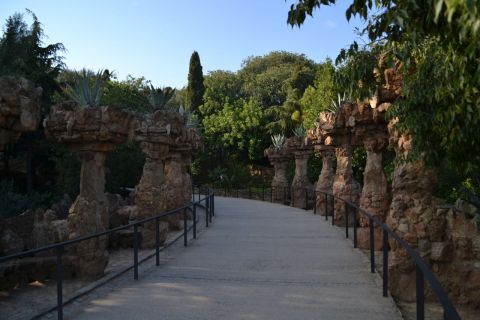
(209, 206)
(422, 270)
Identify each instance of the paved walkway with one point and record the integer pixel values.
(258, 261)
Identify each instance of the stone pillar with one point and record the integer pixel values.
(150, 192)
(88, 215)
(411, 215)
(187, 179)
(300, 180)
(279, 183)
(325, 179)
(174, 187)
(375, 198)
(344, 186)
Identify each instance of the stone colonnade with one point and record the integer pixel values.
(279, 158)
(92, 132)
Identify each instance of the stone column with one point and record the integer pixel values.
(344, 186)
(375, 198)
(326, 177)
(150, 191)
(187, 179)
(88, 215)
(411, 215)
(174, 187)
(279, 182)
(300, 180)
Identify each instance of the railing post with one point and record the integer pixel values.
(420, 294)
(135, 252)
(346, 219)
(213, 204)
(210, 207)
(157, 241)
(333, 210)
(194, 215)
(385, 263)
(59, 276)
(355, 228)
(372, 245)
(314, 201)
(306, 199)
(185, 228)
(326, 207)
(206, 213)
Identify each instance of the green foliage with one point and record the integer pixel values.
(437, 41)
(317, 97)
(196, 87)
(131, 93)
(239, 127)
(67, 171)
(359, 160)
(14, 203)
(86, 89)
(124, 167)
(300, 132)
(22, 53)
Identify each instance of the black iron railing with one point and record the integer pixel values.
(205, 200)
(352, 210)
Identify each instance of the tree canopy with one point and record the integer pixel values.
(195, 87)
(438, 43)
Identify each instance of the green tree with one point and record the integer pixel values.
(319, 96)
(196, 87)
(437, 41)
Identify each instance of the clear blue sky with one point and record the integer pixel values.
(155, 38)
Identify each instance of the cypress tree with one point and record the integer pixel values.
(195, 88)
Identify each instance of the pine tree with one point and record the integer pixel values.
(195, 88)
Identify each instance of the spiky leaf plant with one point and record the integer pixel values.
(191, 120)
(300, 131)
(277, 141)
(87, 88)
(159, 97)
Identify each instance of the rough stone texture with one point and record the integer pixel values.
(325, 179)
(279, 159)
(19, 108)
(155, 135)
(92, 132)
(301, 150)
(375, 198)
(411, 214)
(344, 186)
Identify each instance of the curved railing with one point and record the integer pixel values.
(422, 270)
(205, 200)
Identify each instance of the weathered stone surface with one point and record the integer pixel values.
(279, 159)
(19, 108)
(375, 198)
(344, 186)
(92, 132)
(325, 179)
(301, 150)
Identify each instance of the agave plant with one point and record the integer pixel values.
(82, 90)
(159, 97)
(191, 120)
(278, 140)
(335, 106)
(300, 131)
